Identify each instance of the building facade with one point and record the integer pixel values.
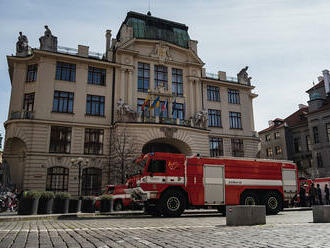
(304, 135)
(149, 86)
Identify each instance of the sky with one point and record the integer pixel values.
(285, 43)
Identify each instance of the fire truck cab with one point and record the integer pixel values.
(171, 183)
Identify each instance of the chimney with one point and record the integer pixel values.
(326, 77)
(222, 75)
(83, 51)
(270, 123)
(300, 106)
(107, 43)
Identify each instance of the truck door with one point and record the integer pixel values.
(214, 190)
(289, 179)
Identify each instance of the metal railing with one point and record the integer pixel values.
(215, 76)
(74, 51)
(21, 115)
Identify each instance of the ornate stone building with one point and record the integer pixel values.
(150, 84)
(304, 136)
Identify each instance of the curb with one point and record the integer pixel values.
(110, 214)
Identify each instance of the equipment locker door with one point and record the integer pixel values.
(214, 191)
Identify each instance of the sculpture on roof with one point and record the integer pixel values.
(200, 119)
(22, 45)
(125, 112)
(48, 41)
(243, 76)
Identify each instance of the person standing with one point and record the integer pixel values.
(326, 190)
(312, 193)
(319, 194)
(302, 195)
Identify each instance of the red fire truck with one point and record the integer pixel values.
(170, 183)
(121, 200)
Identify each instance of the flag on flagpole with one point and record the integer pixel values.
(163, 108)
(153, 105)
(174, 106)
(146, 102)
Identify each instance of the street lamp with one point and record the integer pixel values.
(79, 162)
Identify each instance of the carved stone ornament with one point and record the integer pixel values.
(168, 131)
(48, 41)
(22, 46)
(125, 112)
(200, 119)
(162, 52)
(243, 76)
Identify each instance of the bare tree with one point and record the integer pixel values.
(123, 150)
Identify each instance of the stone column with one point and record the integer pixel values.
(191, 97)
(122, 85)
(130, 88)
(198, 95)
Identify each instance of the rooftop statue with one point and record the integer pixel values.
(48, 41)
(200, 119)
(243, 76)
(22, 45)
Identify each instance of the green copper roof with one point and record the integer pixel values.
(149, 27)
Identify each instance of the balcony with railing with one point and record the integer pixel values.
(162, 120)
(242, 78)
(21, 115)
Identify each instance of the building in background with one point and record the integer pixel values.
(303, 136)
(75, 110)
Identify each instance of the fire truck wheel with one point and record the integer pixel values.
(273, 203)
(249, 198)
(118, 206)
(172, 203)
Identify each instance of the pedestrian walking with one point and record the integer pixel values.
(326, 191)
(312, 194)
(319, 194)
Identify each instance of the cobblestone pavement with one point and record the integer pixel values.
(287, 229)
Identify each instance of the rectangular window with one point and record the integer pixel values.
(143, 77)
(267, 137)
(319, 160)
(28, 102)
(235, 120)
(297, 144)
(145, 112)
(95, 105)
(178, 111)
(161, 76)
(237, 148)
(316, 135)
(278, 150)
(276, 135)
(214, 118)
(65, 72)
(96, 75)
(63, 102)
(157, 166)
(93, 141)
(60, 139)
(216, 147)
(177, 82)
(269, 152)
(328, 131)
(233, 96)
(213, 93)
(31, 74)
(308, 143)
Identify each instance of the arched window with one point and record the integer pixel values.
(57, 179)
(91, 181)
